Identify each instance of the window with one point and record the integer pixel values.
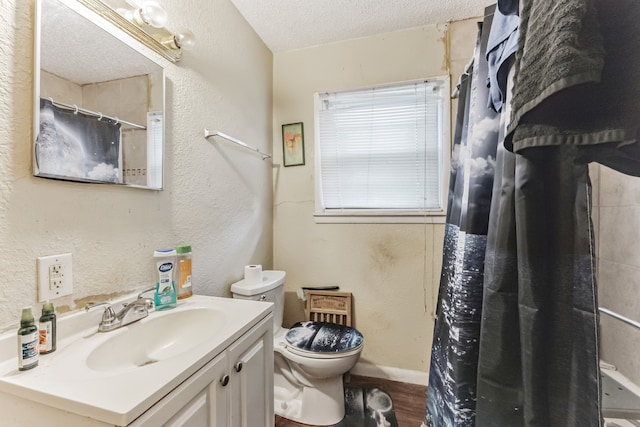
(380, 152)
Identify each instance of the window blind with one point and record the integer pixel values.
(381, 148)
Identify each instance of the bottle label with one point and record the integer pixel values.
(165, 279)
(28, 350)
(185, 273)
(45, 343)
(165, 267)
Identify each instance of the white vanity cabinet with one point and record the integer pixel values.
(159, 371)
(251, 380)
(235, 389)
(200, 401)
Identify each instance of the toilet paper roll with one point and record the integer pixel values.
(253, 274)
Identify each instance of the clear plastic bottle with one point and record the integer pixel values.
(184, 271)
(27, 341)
(47, 329)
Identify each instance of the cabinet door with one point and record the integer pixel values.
(200, 401)
(251, 359)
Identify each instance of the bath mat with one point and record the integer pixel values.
(367, 407)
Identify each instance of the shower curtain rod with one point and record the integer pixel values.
(99, 115)
(208, 134)
(620, 317)
(467, 68)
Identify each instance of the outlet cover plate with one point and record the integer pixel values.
(55, 277)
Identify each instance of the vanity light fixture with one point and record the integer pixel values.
(149, 13)
(140, 29)
(183, 39)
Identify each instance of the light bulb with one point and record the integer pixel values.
(127, 13)
(185, 39)
(151, 13)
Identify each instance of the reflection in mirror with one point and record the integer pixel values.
(99, 103)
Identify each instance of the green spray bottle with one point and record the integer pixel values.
(27, 341)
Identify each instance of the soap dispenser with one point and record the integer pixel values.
(165, 295)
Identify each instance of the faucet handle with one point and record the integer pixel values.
(153, 288)
(148, 302)
(108, 316)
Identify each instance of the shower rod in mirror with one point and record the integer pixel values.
(99, 115)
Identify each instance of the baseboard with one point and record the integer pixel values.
(390, 373)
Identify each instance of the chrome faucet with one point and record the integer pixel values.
(109, 321)
(130, 312)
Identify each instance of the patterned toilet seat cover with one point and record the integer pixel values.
(320, 337)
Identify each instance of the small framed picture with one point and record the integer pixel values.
(293, 144)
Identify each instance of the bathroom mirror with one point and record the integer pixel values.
(99, 98)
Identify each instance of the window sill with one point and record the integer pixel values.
(379, 218)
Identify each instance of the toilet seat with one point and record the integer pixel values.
(321, 340)
(316, 355)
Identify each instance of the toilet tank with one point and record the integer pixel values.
(270, 289)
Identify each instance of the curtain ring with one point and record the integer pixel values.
(76, 109)
(100, 118)
(117, 120)
(51, 100)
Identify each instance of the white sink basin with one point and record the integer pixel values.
(116, 376)
(155, 339)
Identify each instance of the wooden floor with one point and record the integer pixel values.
(408, 400)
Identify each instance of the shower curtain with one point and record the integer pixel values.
(538, 358)
(573, 99)
(451, 392)
(538, 361)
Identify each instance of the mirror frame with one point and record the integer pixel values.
(105, 18)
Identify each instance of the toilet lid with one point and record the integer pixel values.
(320, 337)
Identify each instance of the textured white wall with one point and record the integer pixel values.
(217, 197)
(392, 270)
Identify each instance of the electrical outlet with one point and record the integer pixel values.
(55, 278)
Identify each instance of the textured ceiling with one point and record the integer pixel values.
(295, 24)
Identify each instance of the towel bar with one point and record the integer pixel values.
(619, 317)
(208, 134)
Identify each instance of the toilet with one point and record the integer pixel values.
(310, 358)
